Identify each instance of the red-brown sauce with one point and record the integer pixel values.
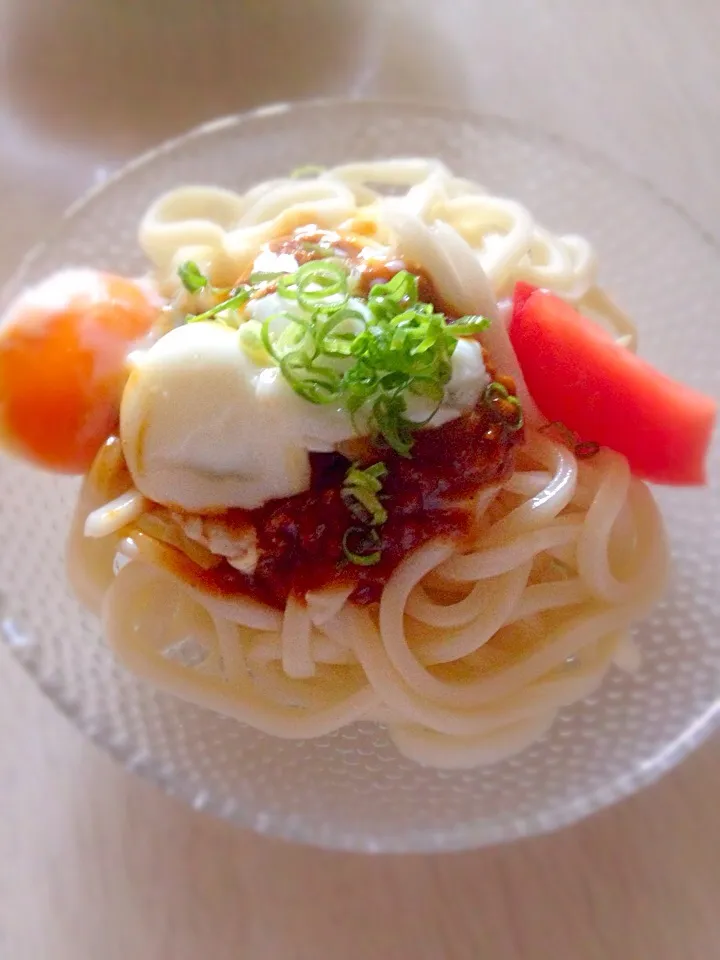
(365, 260)
(300, 538)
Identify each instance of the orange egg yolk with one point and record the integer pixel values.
(63, 365)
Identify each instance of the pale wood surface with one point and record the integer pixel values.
(95, 863)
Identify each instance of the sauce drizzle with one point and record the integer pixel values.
(429, 496)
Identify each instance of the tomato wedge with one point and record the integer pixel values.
(577, 374)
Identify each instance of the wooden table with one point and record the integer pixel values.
(96, 865)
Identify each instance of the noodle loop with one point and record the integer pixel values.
(477, 642)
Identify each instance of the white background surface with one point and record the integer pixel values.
(94, 863)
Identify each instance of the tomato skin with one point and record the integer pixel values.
(63, 362)
(577, 374)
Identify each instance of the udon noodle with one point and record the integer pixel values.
(472, 649)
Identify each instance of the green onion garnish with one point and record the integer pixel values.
(192, 277)
(251, 342)
(316, 283)
(265, 276)
(468, 326)
(367, 358)
(499, 401)
(237, 298)
(362, 559)
(360, 493)
(367, 361)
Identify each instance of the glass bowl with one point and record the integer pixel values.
(351, 790)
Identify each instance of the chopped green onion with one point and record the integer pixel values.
(519, 422)
(237, 299)
(366, 360)
(251, 342)
(392, 424)
(495, 391)
(364, 486)
(376, 471)
(340, 343)
(362, 559)
(497, 399)
(361, 495)
(468, 326)
(292, 336)
(399, 294)
(319, 387)
(316, 283)
(265, 276)
(192, 277)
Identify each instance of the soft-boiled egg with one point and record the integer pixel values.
(204, 425)
(63, 355)
(205, 428)
(196, 433)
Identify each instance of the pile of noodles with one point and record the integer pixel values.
(471, 652)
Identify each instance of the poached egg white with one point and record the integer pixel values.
(204, 427)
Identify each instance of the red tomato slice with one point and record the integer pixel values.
(577, 374)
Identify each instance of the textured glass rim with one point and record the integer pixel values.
(466, 835)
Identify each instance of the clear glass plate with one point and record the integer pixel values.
(351, 790)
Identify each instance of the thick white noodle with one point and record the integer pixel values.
(471, 652)
(459, 679)
(135, 624)
(492, 241)
(297, 661)
(113, 516)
